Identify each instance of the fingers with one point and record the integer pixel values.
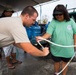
(46, 51)
(38, 38)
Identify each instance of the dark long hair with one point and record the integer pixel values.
(61, 8)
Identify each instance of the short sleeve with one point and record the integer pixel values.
(73, 26)
(51, 27)
(20, 35)
(18, 31)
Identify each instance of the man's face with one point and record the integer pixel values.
(30, 20)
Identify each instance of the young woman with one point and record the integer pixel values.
(62, 30)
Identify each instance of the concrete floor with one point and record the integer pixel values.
(37, 66)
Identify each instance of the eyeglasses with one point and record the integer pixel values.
(58, 14)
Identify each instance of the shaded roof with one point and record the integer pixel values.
(18, 5)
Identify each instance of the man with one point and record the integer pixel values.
(12, 31)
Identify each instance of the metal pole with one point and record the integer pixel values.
(40, 13)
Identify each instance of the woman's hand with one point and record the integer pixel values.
(39, 38)
(45, 36)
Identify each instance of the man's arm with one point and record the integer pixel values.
(29, 48)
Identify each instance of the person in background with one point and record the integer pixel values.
(62, 30)
(10, 51)
(10, 54)
(13, 32)
(7, 13)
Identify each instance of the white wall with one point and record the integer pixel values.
(47, 9)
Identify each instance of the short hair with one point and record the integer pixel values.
(29, 10)
(61, 8)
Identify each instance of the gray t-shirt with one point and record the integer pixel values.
(12, 30)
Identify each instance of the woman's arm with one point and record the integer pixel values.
(45, 36)
(75, 40)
